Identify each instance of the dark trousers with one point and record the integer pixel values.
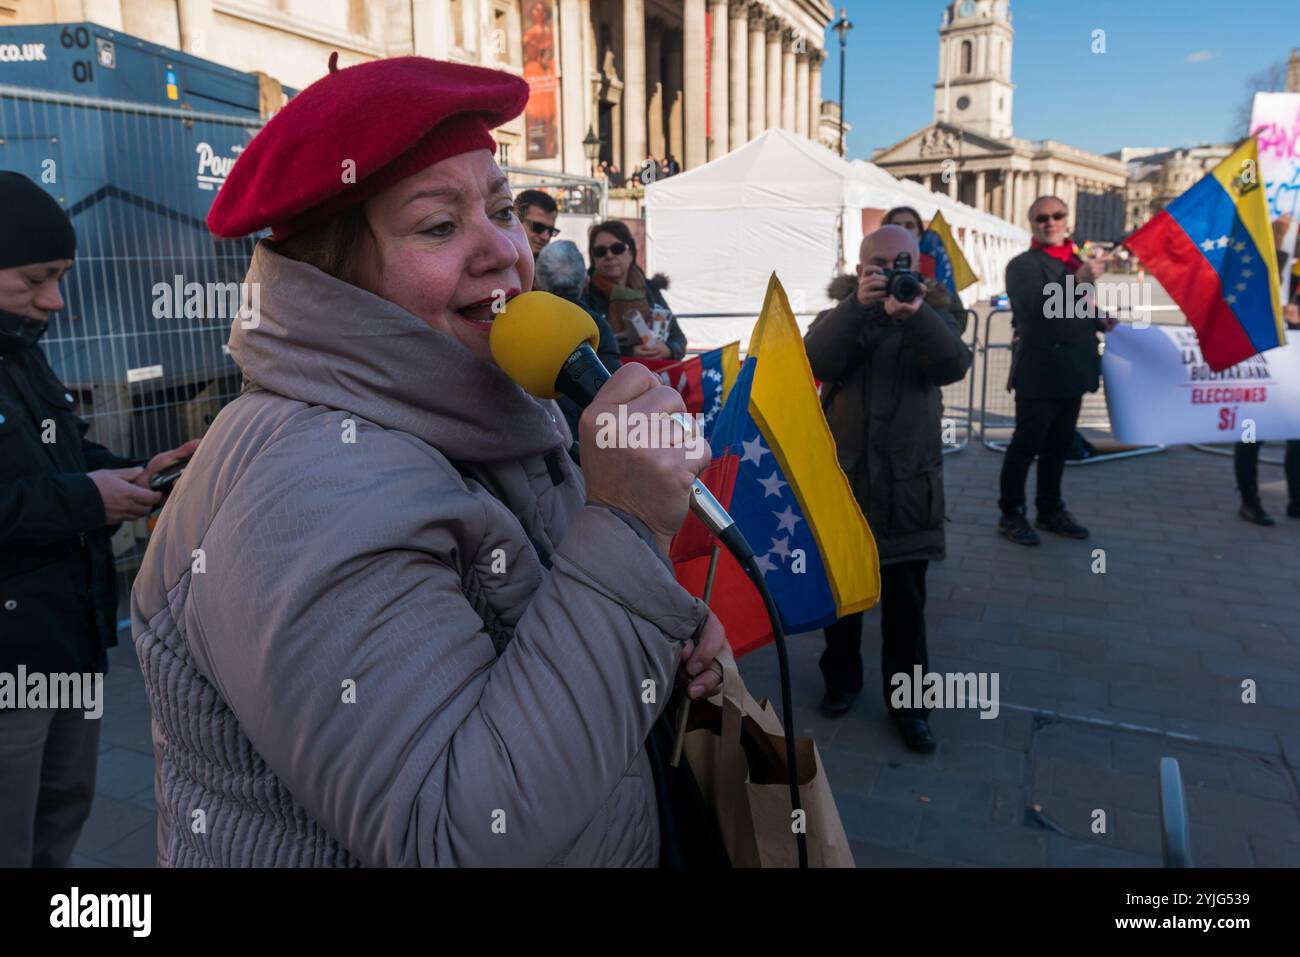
(1245, 460)
(1044, 428)
(47, 783)
(902, 634)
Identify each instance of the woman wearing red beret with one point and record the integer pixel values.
(384, 620)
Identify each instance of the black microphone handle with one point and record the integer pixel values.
(580, 378)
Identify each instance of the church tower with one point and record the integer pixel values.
(974, 88)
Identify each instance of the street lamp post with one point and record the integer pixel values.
(591, 149)
(842, 28)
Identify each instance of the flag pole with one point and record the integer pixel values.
(684, 706)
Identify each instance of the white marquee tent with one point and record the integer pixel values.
(775, 204)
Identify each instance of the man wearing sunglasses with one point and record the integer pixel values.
(537, 211)
(1055, 360)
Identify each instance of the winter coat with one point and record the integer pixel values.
(1054, 357)
(58, 590)
(880, 383)
(598, 302)
(354, 648)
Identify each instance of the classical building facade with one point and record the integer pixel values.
(969, 150)
(1158, 175)
(691, 78)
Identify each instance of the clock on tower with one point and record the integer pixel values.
(974, 88)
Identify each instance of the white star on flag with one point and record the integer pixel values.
(786, 520)
(1247, 273)
(765, 563)
(754, 451)
(780, 547)
(1241, 287)
(1245, 260)
(772, 485)
(1208, 245)
(1223, 242)
(1231, 298)
(1238, 247)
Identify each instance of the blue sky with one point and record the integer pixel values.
(1174, 72)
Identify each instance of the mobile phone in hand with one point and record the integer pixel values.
(164, 480)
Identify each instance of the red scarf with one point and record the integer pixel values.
(1066, 252)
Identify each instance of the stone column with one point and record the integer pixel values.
(952, 185)
(719, 87)
(980, 202)
(757, 72)
(738, 72)
(195, 22)
(787, 80)
(430, 28)
(801, 95)
(1009, 195)
(773, 73)
(693, 83)
(815, 93)
(573, 89)
(658, 144)
(107, 13)
(634, 151)
(673, 86)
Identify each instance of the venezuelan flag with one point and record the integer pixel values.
(943, 259)
(704, 381)
(774, 469)
(1212, 250)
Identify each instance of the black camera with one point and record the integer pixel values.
(901, 282)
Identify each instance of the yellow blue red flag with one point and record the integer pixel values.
(775, 470)
(1212, 250)
(942, 258)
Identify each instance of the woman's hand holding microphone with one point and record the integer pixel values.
(651, 483)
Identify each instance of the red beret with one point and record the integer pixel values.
(391, 118)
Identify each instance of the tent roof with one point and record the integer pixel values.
(776, 168)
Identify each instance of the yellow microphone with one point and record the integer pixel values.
(547, 345)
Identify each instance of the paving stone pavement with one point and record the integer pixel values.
(1099, 676)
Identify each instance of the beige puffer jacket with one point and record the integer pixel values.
(353, 651)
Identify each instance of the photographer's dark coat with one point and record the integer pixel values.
(883, 380)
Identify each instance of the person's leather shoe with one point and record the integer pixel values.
(1061, 523)
(837, 705)
(1254, 513)
(916, 734)
(1014, 527)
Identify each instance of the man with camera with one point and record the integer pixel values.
(1054, 362)
(882, 354)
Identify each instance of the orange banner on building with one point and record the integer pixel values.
(539, 71)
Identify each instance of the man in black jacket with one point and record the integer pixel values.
(1055, 361)
(881, 363)
(61, 499)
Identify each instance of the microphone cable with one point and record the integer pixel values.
(732, 539)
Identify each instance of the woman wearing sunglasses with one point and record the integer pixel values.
(618, 290)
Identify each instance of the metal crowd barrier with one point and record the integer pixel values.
(143, 358)
(998, 407)
(1175, 839)
(958, 397)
